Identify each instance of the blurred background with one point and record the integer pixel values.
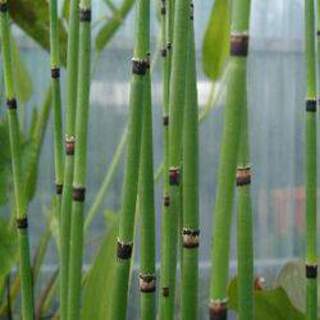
(276, 102)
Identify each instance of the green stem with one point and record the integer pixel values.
(235, 102)
(80, 163)
(65, 214)
(244, 225)
(311, 163)
(127, 216)
(20, 200)
(190, 189)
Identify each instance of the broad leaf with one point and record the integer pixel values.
(269, 304)
(215, 48)
(97, 291)
(32, 16)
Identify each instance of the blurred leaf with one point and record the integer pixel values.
(65, 9)
(109, 29)
(8, 248)
(292, 279)
(269, 304)
(215, 48)
(32, 16)
(97, 291)
(23, 81)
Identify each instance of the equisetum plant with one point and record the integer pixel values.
(311, 163)
(235, 103)
(66, 204)
(15, 146)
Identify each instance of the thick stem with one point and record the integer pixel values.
(80, 163)
(20, 201)
(311, 163)
(236, 99)
(140, 68)
(190, 184)
(72, 77)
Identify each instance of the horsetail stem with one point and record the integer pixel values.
(190, 183)
(66, 202)
(228, 159)
(244, 224)
(147, 278)
(19, 194)
(80, 162)
(140, 66)
(311, 163)
(55, 83)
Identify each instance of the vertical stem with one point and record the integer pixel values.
(244, 225)
(190, 183)
(228, 158)
(55, 83)
(20, 201)
(80, 163)
(66, 202)
(311, 163)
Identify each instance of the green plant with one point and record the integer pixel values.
(228, 158)
(14, 135)
(311, 163)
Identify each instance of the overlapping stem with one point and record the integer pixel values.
(190, 184)
(19, 194)
(55, 83)
(236, 92)
(80, 163)
(140, 66)
(244, 225)
(311, 163)
(66, 202)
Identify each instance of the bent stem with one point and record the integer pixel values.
(20, 199)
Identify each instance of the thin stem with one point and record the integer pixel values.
(80, 163)
(20, 201)
(65, 215)
(311, 163)
(190, 189)
(228, 158)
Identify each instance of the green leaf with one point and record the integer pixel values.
(32, 16)
(23, 81)
(215, 47)
(109, 29)
(269, 304)
(292, 279)
(97, 291)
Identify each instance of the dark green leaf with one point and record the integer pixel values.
(269, 304)
(216, 45)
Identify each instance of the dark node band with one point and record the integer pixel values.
(124, 250)
(85, 15)
(243, 177)
(169, 46)
(79, 194)
(163, 10)
(59, 189)
(218, 311)
(55, 73)
(166, 120)
(165, 292)
(22, 223)
(163, 52)
(239, 43)
(174, 176)
(166, 201)
(4, 7)
(190, 238)
(147, 283)
(318, 33)
(311, 105)
(311, 271)
(70, 145)
(12, 103)
(140, 66)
